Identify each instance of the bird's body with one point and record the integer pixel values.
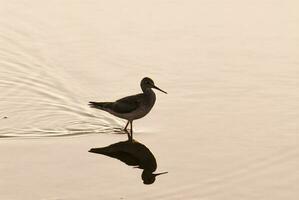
(131, 107)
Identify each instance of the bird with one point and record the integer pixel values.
(131, 107)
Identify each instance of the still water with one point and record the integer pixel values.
(227, 129)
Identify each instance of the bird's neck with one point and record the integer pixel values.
(148, 91)
(150, 97)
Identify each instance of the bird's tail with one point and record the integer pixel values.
(98, 105)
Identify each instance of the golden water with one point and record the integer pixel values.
(228, 129)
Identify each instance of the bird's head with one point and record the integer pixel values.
(149, 83)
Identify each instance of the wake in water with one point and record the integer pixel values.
(36, 101)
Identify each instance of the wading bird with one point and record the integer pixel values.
(131, 107)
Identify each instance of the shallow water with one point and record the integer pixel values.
(228, 129)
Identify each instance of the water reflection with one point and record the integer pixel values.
(135, 154)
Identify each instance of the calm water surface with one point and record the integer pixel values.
(228, 129)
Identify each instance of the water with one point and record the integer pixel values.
(228, 128)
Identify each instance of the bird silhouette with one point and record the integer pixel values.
(131, 107)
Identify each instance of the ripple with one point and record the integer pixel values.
(37, 98)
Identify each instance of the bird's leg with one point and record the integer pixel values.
(131, 123)
(125, 129)
(130, 136)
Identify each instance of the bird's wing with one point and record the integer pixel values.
(127, 104)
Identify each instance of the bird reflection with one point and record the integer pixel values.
(135, 154)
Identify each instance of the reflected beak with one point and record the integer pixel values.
(159, 89)
(160, 173)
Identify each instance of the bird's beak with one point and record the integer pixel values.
(159, 89)
(160, 173)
